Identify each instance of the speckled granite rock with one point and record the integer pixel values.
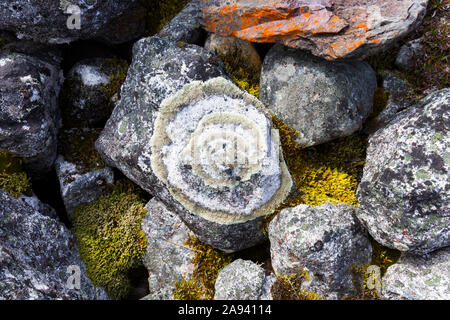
(326, 241)
(408, 52)
(332, 29)
(185, 27)
(29, 114)
(46, 21)
(35, 253)
(79, 185)
(167, 259)
(416, 277)
(403, 193)
(241, 280)
(90, 91)
(322, 100)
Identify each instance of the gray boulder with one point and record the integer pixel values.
(29, 114)
(326, 241)
(416, 277)
(167, 259)
(38, 256)
(406, 57)
(185, 27)
(136, 140)
(47, 21)
(403, 194)
(241, 280)
(322, 100)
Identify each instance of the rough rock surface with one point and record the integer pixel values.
(29, 114)
(160, 69)
(416, 277)
(79, 186)
(240, 280)
(323, 100)
(46, 21)
(35, 254)
(328, 28)
(406, 56)
(403, 193)
(167, 259)
(185, 27)
(39, 206)
(326, 241)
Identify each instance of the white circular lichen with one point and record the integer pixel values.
(214, 148)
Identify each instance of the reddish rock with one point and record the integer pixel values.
(331, 29)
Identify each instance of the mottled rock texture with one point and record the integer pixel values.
(331, 29)
(35, 254)
(326, 241)
(416, 277)
(403, 193)
(167, 258)
(240, 280)
(321, 99)
(29, 114)
(46, 21)
(408, 53)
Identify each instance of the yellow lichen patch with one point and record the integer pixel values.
(325, 173)
(208, 262)
(110, 239)
(13, 180)
(288, 287)
(361, 279)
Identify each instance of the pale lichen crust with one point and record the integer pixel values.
(214, 148)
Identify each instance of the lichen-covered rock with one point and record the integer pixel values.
(80, 186)
(39, 206)
(185, 27)
(403, 193)
(408, 52)
(38, 255)
(47, 21)
(29, 114)
(90, 91)
(322, 100)
(219, 202)
(240, 280)
(326, 241)
(416, 277)
(167, 259)
(328, 28)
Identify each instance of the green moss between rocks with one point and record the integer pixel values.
(115, 82)
(288, 287)
(160, 13)
(13, 180)
(208, 262)
(3, 42)
(110, 239)
(380, 101)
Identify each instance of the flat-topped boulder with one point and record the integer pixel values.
(331, 29)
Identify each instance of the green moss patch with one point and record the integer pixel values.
(288, 287)
(13, 180)
(160, 13)
(110, 239)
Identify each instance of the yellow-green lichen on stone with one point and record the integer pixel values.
(13, 180)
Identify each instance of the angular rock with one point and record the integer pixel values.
(322, 100)
(406, 57)
(240, 280)
(167, 259)
(29, 114)
(403, 193)
(331, 29)
(326, 241)
(185, 27)
(222, 206)
(416, 277)
(79, 185)
(39, 206)
(36, 255)
(47, 21)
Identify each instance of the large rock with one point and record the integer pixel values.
(328, 28)
(403, 193)
(38, 254)
(322, 100)
(416, 277)
(167, 259)
(241, 280)
(326, 241)
(29, 114)
(174, 143)
(47, 21)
